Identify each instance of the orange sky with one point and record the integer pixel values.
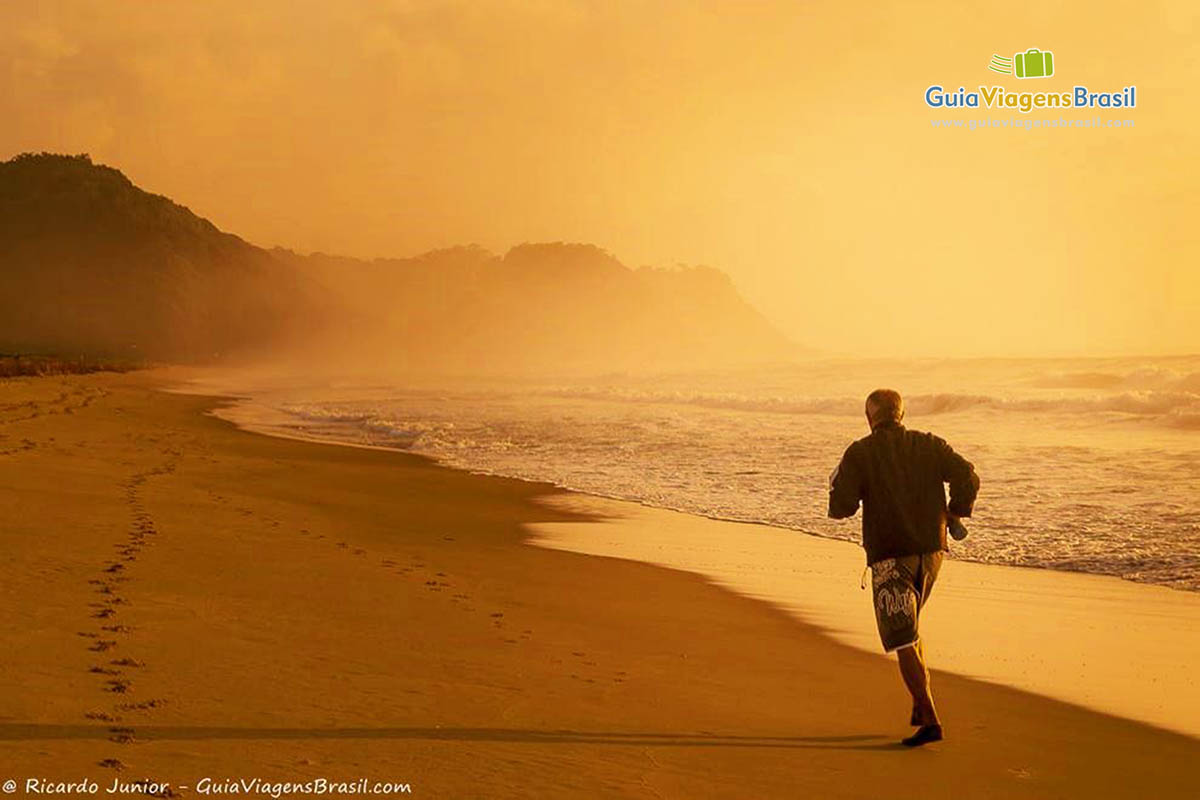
(785, 142)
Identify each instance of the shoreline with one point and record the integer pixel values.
(265, 416)
(284, 425)
(1163, 621)
(192, 599)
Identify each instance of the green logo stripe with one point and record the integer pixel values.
(1001, 64)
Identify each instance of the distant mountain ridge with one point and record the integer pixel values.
(91, 263)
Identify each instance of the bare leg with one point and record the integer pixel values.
(916, 678)
(915, 719)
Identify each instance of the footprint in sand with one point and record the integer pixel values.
(121, 735)
(145, 705)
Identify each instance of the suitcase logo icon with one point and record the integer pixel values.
(1033, 63)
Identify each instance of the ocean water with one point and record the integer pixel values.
(1089, 465)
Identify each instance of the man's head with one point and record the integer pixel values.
(884, 406)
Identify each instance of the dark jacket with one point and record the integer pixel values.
(898, 474)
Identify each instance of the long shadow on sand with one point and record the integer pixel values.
(146, 733)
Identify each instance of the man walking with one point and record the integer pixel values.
(898, 476)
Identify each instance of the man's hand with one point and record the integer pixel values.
(956, 528)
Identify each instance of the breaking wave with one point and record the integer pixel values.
(1095, 469)
(1178, 409)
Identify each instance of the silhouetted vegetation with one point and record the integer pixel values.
(12, 366)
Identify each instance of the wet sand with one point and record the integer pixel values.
(1108, 644)
(183, 599)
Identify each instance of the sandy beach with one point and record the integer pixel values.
(184, 600)
(1045, 631)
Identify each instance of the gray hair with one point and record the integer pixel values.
(884, 405)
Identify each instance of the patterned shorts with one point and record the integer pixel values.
(900, 588)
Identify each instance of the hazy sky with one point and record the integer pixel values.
(786, 142)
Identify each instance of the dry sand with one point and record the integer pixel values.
(190, 600)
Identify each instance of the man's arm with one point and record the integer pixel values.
(845, 487)
(960, 474)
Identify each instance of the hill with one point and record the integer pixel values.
(90, 263)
